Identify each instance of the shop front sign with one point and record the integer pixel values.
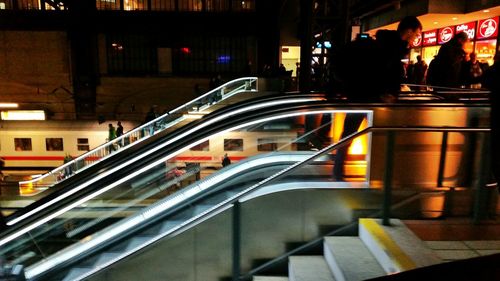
(469, 28)
(487, 28)
(445, 34)
(417, 42)
(430, 38)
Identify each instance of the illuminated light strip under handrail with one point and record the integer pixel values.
(82, 157)
(32, 271)
(47, 264)
(159, 147)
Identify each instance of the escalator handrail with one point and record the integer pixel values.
(74, 162)
(216, 118)
(226, 204)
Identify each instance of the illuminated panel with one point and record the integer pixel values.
(429, 38)
(487, 28)
(23, 115)
(469, 28)
(8, 105)
(445, 34)
(417, 42)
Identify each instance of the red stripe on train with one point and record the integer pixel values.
(33, 158)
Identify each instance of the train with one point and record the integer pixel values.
(43, 145)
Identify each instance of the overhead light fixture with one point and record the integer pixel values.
(22, 115)
(8, 105)
(486, 11)
(435, 22)
(454, 18)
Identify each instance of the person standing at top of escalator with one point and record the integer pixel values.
(446, 68)
(379, 63)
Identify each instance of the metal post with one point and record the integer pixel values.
(236, 241)
(442, 159)
(386, 207)
(481, 201)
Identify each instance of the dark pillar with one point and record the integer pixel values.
(84, 50)
(305, 27)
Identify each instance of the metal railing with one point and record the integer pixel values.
(137, 135)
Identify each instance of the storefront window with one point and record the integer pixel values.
(162, 5)
(108, 4)
(190, 5)
(429, 53)
(485, 50)
(5, 4)
(28, 4)
(414, 53)
(243, 5)
(469, 47)
(134, 5)
(217, 5)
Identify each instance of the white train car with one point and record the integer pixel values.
(44, 144)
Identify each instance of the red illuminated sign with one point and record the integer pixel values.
(469, 28)
(417, 42)
(445, 34)
(429, 38)
(487, 28)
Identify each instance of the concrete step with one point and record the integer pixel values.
(395, 247)
(349, 259)
(309, 268)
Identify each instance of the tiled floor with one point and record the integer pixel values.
(455, 239)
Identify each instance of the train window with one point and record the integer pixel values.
(233, 144)
(266, 145)
(83, 144)
(54, 144)
(204, 146)
(22, 144)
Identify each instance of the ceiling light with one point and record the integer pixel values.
(22, 115)
(8, 105)
(435, 22)
(454, 18)
(486, 11)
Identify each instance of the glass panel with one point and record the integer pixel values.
(54, 144)
(167, 122)
(131, 5)
(172, 178)
(190, 5)
(204, 146)
(162, 5)
(217, 5)
(28, 4)
(22, 144)
(233, 144)
(6, 5)
(108, 4)
(243, 5)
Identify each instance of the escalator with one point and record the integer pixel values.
(142, 151)
(141, 184)
(150, 201)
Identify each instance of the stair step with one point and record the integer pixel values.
(201, 208)
(169, 225)
(270, 278)
(76, 272)
(137, 241)
(106, 257)
(349, 259)
(309, 268)
(395, 247)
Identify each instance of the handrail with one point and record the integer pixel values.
(139, 134)
(228, 203)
